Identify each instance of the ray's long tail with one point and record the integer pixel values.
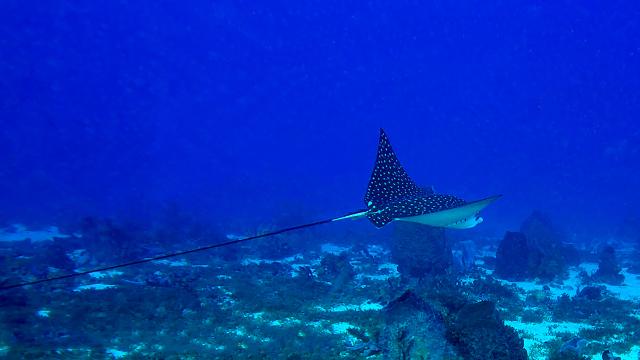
(352, 215)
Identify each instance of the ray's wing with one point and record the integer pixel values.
(454, 213)
(389, 183)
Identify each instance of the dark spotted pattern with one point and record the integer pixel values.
(392, 194)
(413, 207)
(389, 181)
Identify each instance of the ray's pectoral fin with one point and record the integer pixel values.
(389, 183)
(461, 217)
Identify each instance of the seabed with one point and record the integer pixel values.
(280, 308)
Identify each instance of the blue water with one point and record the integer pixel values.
(244, 113)
(224, 106)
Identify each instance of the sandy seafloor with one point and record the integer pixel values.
(535, 335)
(233, 309)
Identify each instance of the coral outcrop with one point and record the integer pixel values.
(420, 251)
(512, 257)
(537, 251)
(608, 267)
(479, 333)
(413, 329)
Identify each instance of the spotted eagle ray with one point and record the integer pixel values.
(391, 196)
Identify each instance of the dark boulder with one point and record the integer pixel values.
(107, 241)
(420, 251)
(571, 349)
(413, 329)
(333, 266)
(464, 254)
(54, 254)
(547, 240)
(478, 332)
(608, 267)
(575, 345)
(540, 231)
(337, 270)
(591, 293)
(512, 257)
(537, 251)
(606, 355)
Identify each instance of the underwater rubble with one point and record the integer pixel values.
(418, 296)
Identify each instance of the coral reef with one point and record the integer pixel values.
(326, 302)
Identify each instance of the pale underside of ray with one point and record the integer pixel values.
(461, 217)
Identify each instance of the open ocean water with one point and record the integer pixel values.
(209, 180)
